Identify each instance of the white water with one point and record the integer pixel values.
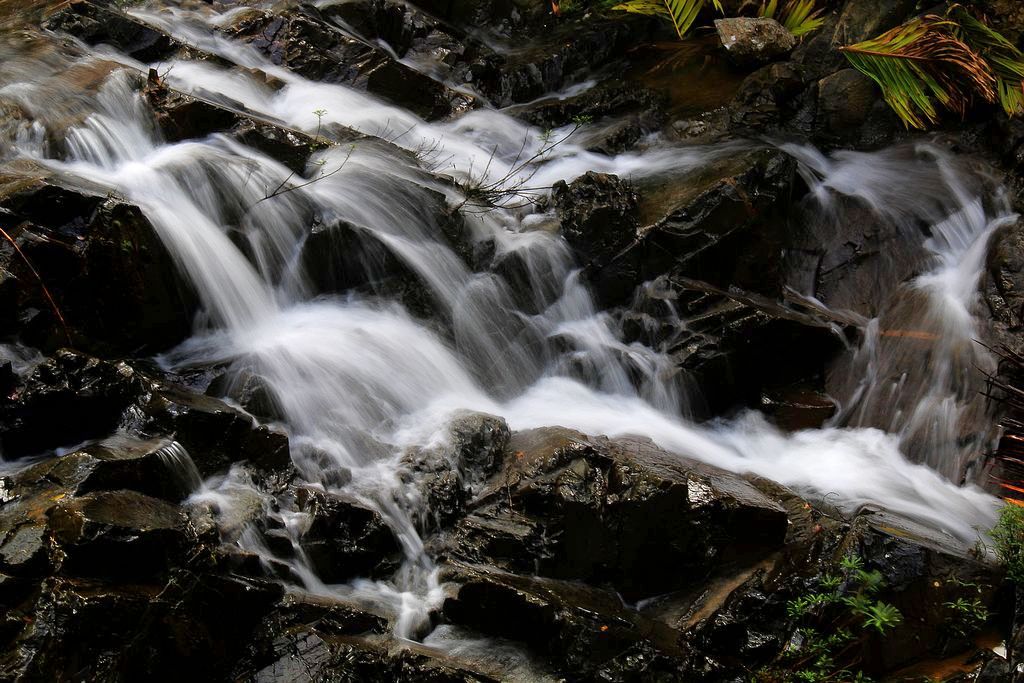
(359, 379)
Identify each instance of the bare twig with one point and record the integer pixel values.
(42, 285)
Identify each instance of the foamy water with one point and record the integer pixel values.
(359, 379)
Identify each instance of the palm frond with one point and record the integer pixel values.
(651, 8)
(769, 9)
(920, 63)
(1006, 61)
(798, 16)
(682, 13)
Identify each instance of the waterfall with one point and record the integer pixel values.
(360, 378)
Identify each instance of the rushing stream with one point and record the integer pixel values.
(360, 380)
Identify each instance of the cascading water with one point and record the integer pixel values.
(360, 380)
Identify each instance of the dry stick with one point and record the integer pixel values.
(46, 291)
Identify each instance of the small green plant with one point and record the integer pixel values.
(948, 61)
(682, 13)
(319, 114)
(799, 16)
(829, 623)
(1008, 536)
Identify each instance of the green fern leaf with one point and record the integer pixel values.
(922, 63)
(1006, 61)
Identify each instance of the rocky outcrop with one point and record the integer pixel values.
(620, 513)
(303, 42)
(113, 284)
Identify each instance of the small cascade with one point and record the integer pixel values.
(919, 371)
(361, 377)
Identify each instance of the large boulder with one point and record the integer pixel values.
(119, 535)
(618, 513)
(114, 286)
(754, 41)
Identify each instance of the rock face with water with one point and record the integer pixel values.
(441, 367)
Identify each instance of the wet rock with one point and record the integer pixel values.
(343, 256)
(345, 539)
(768, 98)
(214, 434)
(599, 218)
(119, 535)
(446, 476)
(311, 655)
(89, 396)
(303, 42)
(619, 513)
(111, 278)
(194, 624)
(96, 24)
(923, 571)
(754, 41)
(1003, 285)
(798, 407)
(848, 256)
(724, 226)
(845, 100)
(564, 56)
(161, 468)
(622, 112)
(249, 390)
(584, 632)
(185, 117)
(720, 339)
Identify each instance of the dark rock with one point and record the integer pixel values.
(848, 256)
(303, 42)
(114, 283)
(721, 338)
(754, 41)
(923, 571)
(309, 655)
(726, 226)
(119, 534)
(195, 625)
(619, 513)
(768, 98)
(845, 100)
(95, 24)
(344, 539)
(161, 469)
(248, 390)
(446, 476)
(585, 632)
(1003, 285)
(89, 396)
(214, 434)
(569, 54)
(342, 256)
(599, 217)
